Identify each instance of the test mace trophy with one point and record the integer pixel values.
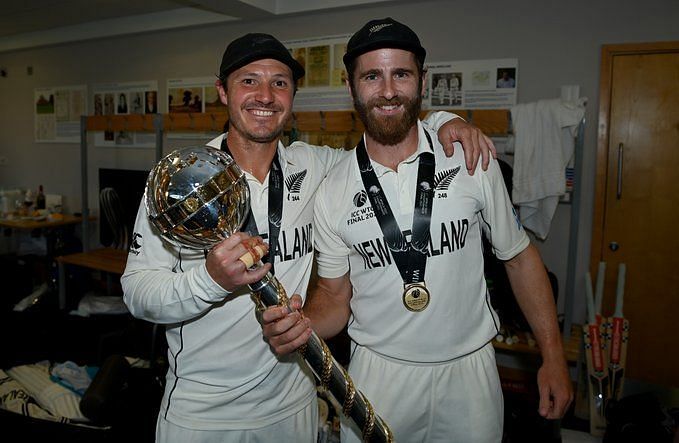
(197, 197)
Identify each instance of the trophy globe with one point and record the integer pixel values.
(197, 196)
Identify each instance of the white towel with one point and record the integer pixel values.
(544, 144)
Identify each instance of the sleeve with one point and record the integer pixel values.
(437, 119)
(154, 286)
(332, 253)
(499, 219)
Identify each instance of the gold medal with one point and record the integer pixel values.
(415, 297)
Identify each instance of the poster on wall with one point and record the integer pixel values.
(194, 95)
(57, 113)
(124, 99)
(322, 88)
(471, 84)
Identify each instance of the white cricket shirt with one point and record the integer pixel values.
(459, 318)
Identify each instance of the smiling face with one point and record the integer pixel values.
(387, 91)
(259, 100)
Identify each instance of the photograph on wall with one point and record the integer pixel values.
(339, 72)
(125, 98)
(194, 95)
(212, 100)
(322, 88)
(506, 77)
(98, 104)
(318, 67)
(121, 103)
(471, 84)
(299, 54)
(151, 101)
(136, 102)
(191, 95)
(447, 90)
(123, 138)
(108, 104)
(57, 113)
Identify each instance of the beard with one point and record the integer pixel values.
(393, 129)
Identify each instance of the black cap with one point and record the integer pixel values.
(383, 33)
(253, 47)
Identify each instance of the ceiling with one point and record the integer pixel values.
(33, 23)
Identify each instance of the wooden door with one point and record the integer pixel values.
(636, 218)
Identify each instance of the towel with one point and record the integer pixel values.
(543, 146)
(71, 376)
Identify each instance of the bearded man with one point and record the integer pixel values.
(404, 267)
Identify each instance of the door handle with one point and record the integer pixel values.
(619, 190)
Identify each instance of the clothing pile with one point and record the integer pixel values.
(45, 391)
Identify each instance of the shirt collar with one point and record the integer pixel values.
(283, 156)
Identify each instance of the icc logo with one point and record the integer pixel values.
(360, 198)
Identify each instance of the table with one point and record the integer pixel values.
(107, 260)
(30, 223)
(51, 230)
(51, 227)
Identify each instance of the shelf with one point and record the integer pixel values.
(571, 345)
(493, 122)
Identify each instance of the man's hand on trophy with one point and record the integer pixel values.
(286, 329)
(230, 262)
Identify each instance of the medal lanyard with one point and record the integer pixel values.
(410, 259)
(275, 207)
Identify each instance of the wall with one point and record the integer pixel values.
(556, 43)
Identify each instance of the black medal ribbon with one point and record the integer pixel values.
(410, 259)
(275, 207)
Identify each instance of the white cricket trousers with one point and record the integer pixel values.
(301, 427)
(454, 401)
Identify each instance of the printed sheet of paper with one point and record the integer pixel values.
(57, 113)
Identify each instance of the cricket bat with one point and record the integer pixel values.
(596, 367)
(619, 332)
(599, 293)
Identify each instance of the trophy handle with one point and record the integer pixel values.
(331, 374)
